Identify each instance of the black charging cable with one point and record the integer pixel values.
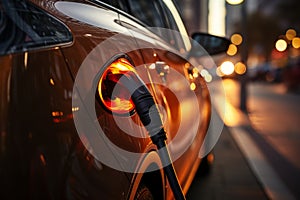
(148, 112)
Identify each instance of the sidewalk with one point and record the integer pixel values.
(230, 176)
(240, 169)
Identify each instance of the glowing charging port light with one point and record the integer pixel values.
(115, 96)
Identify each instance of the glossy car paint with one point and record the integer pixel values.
(41, 153)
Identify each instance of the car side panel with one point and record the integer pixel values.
(41, 154)
(173, 92)
(103, 38)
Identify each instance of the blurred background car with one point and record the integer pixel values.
(291, 75)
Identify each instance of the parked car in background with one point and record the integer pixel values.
(291, 75)
(54, 56)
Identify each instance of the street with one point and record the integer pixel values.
(275, 116)
(273, 126)
(229, 177)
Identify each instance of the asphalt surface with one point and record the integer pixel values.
(274, 113)
(230, 176)
(256, 154)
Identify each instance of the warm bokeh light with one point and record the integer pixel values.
(208, 78)
(218, 72)
(281, 45)
(204, 72)
(57, 113)
(206, 75)
(232, 115)
(296, 42)
(227, 68)
(236, 39)
(234, 2)
(193, 86)
(240, 68)
(195, 72)
(290, 34)
(187, 65)
(52, 81)
(232, 50)
(74, 109)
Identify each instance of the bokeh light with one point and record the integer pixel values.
(227, 68)
(281, 45)
(290, 34)
(208, 78)
(234, 2)
(232, 50)
(206, 75)
(218, 72)
(204, 72)
(296, 42)
(240, 68)
(236, 39)
(193, 86)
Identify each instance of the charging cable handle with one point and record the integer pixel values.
(149, 115)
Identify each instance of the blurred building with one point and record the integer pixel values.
(195, 15)
(204, 16)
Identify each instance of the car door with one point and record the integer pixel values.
(98, 39)
(177, 85)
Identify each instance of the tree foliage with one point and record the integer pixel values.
(262, 32)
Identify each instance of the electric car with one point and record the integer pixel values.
(88, 87)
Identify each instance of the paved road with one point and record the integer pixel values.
(230, 176)
(275, 117)
(273, 129)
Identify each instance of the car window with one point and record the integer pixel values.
(159, 14)
(120, 4)
(172, 25)
(162, 14)
(149, 12)
(175, 23)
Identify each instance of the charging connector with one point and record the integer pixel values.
(149, 115)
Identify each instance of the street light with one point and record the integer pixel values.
(234, 2)
(236, 39)
(227, 68)
(296, 42)
(281, 45)
(290, 34)
(244, 52)
(232, 50)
